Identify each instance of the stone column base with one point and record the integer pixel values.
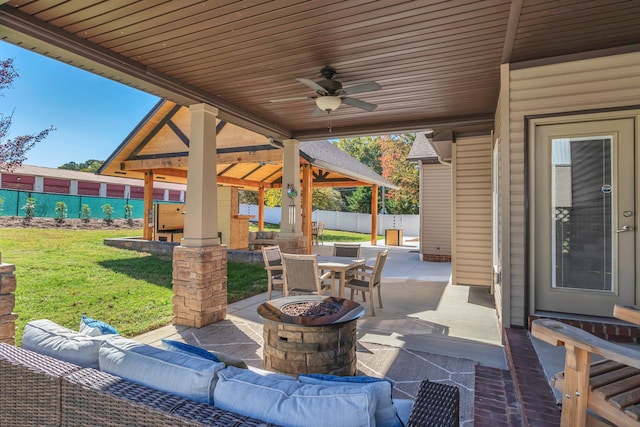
(292, 245)
(199, 285)
(7, 304)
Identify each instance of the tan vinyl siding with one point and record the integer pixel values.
(502, 291)
(600, 83)
(472, 263)
(436, 209)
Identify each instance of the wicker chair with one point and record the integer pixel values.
(301, 275)
(368, 278)
(347, 250)
(317, 232)
(350, 250)
(273, 264)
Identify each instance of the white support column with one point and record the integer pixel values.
(73, 187)
(201, 212)
(165, 195)
(103, 189)
(291, 215)
(127, 190)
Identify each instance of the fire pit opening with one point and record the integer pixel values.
(310, 308)
(310, 334)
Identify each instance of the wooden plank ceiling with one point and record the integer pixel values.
(436, 61)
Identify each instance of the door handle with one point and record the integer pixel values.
(625, 228)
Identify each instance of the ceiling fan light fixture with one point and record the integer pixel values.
(328, 103)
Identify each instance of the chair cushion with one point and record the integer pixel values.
(94, 328)
(181, 374)
(47, 337)
(292, 403)
(193, 350)
(386, 413)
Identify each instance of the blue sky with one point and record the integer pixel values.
(92, 114)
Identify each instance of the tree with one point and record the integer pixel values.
(366, 150)
(13, 150)
(397, 170)
(327, 199)
(360, 200)
(91, 165)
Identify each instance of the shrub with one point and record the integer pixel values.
(29, 209)
(85, 213)
(1, 205)
(61, 212)
(128, 212)
(107, 209)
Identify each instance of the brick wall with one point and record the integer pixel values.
(436, 258)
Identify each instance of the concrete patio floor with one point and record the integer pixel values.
(422, 310)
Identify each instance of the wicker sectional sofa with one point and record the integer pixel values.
(38, 390)
(262, 238)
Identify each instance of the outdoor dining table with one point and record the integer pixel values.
(338, 264)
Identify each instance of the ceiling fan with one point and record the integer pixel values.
(330, 94)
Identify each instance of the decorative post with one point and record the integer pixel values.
(290, 239)
(200, 262)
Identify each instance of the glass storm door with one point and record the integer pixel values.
(584, 217)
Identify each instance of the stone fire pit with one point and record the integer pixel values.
(310, 334)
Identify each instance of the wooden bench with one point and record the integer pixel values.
(608, 389)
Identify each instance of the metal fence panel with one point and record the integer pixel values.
(14, 201)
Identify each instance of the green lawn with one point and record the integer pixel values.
(63, 274)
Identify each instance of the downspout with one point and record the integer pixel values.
(444, 162)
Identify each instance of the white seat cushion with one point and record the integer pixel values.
(47, 337)
(187, 376)
(294, 404)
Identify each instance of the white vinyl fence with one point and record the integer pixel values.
(345, 221)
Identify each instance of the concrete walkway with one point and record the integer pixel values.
(422, 310)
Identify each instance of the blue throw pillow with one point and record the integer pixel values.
(94, 328)
(182, 347)
(214, 356)
(386, 413)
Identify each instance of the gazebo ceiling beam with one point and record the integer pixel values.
(152, 162)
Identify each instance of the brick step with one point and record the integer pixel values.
(520, 396)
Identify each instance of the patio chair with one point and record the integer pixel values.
(273, 264)
(350, 250)
(347, 250)
(367, 278)
(302, 276)
(317, 232)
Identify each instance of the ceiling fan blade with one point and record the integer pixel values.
(318, 113)
(359, 104)
(313, 85)
(297, 98)
(362, 87)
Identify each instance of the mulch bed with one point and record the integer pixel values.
(70, 223)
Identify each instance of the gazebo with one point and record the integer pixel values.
(162, 148)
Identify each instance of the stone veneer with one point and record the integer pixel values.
(199, 285)
(7, 303)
